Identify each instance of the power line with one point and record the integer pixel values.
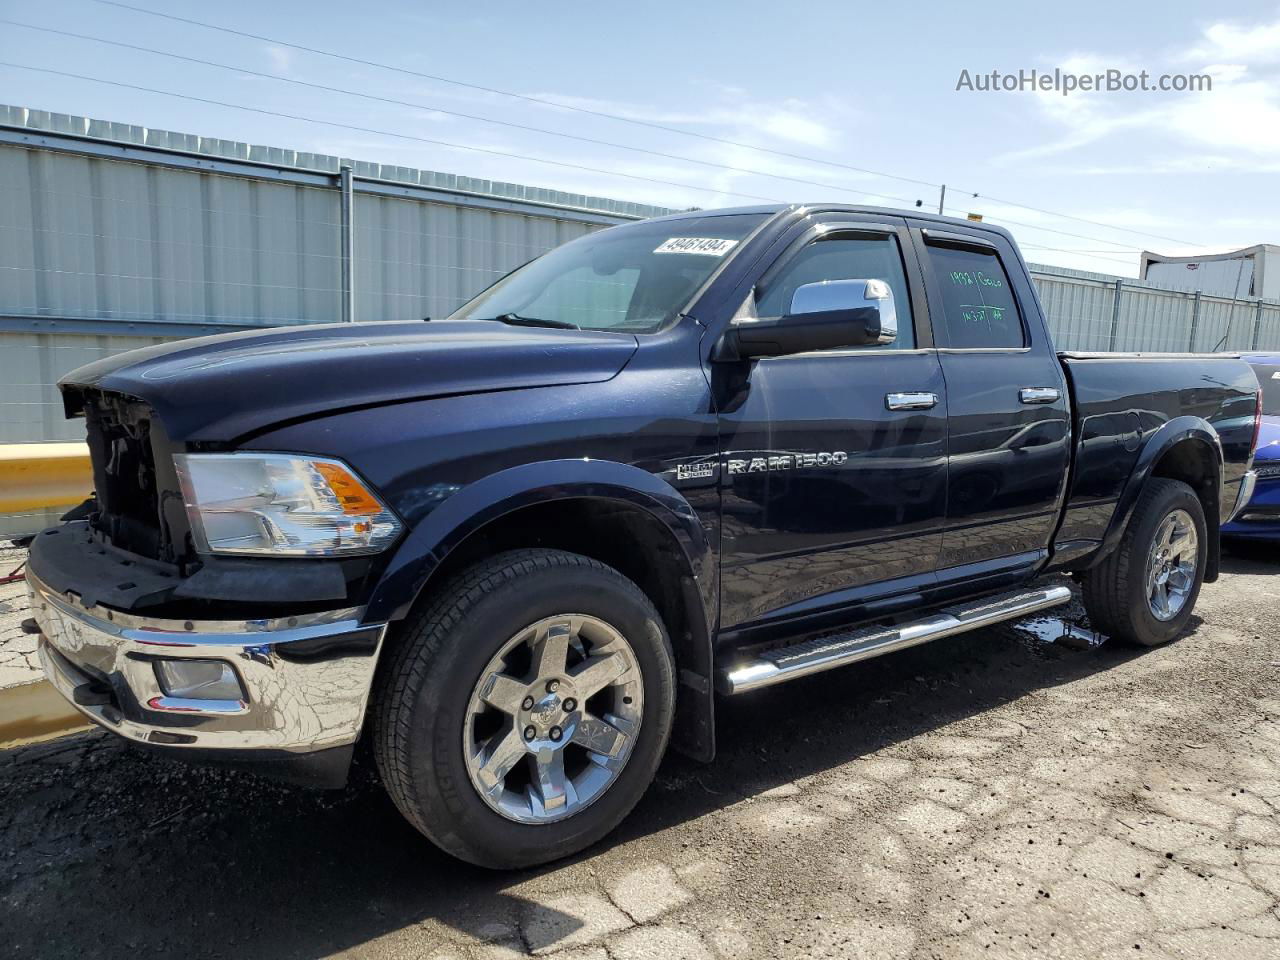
(1087, 254)
(617, 117)
(418, 139)
(502, 93)
(418, 106)
(453, 113)
(1068, 216)
(383, 133)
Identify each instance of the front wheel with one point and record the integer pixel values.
(526, 710)
(1145, 590)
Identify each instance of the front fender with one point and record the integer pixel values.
(1157, 445)
(478, 503)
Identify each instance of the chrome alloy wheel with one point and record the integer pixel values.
(1171, 565)
(553, 718)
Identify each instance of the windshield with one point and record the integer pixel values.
(1269, 378)
(633, 278)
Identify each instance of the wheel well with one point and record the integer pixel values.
(1192, 461)
(641, 548)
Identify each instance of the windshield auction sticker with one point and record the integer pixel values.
(707, 246)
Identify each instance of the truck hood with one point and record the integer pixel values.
(223, 387)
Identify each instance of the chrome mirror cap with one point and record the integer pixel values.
(826, 295)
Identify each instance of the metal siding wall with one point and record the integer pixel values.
(1267, 335)
(30, 365)
(1079, 308)
(416, 260)
(94, 238)
(1078, 312)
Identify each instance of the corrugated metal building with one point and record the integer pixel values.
(1249, 272)
(115, 236)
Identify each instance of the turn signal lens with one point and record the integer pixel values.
(355, 499)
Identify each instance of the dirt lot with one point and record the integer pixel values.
(992, 795)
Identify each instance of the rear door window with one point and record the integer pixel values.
(978, 307)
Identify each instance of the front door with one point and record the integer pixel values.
(833, 462)
(1010, 419)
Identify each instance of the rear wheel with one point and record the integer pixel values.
(526, 710)
(1145, 590)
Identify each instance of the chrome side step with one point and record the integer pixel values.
(837, 650)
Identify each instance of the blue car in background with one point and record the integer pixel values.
(1260, 519)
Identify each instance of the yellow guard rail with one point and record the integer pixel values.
(34, 476)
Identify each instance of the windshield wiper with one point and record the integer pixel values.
(515, 320)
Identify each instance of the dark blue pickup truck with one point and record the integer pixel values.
(521, 549)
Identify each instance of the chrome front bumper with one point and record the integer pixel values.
(306, 679)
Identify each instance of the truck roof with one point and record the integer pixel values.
(776, 209)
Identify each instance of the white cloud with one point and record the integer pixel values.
(1231, 42)
(280, 58)
(1237, 122)
(737, 116)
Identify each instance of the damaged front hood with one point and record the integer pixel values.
(223, 387)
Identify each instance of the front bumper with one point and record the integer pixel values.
(305, 679)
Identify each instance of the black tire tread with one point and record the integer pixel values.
(427, 631)
(1105, 588)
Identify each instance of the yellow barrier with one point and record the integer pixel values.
(34, 476)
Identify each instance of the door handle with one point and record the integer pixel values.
(1039, 394)
(910, 401)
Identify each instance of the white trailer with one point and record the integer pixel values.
(1247, 273)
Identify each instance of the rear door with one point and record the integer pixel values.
(1009, 413)
(835, 460)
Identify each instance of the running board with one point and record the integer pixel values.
(836, 650)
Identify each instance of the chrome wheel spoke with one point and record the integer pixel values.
(549, 785)
(503, 693)
(1161, 599)
(552, 651)
(599, 736)
(550, 757)
(1171, 565)
(497, 759)
(597, 673)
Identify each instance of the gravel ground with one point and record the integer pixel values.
(990, 795)
(18, 661)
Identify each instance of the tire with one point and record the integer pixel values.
(1116, 592)
(425, 713)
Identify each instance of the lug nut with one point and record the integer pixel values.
(530, 733)
(570, 705)
(553, 686)
(528, 703)
(556, 733)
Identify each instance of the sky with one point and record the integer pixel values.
(825, 101)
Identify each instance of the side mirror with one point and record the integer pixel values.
(824, 316)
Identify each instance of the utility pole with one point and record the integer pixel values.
(346, 249)
(942, 199)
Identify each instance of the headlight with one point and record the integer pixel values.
(280, 505)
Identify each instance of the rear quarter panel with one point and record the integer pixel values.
(1122, 403)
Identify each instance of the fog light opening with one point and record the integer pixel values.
(198, 680)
